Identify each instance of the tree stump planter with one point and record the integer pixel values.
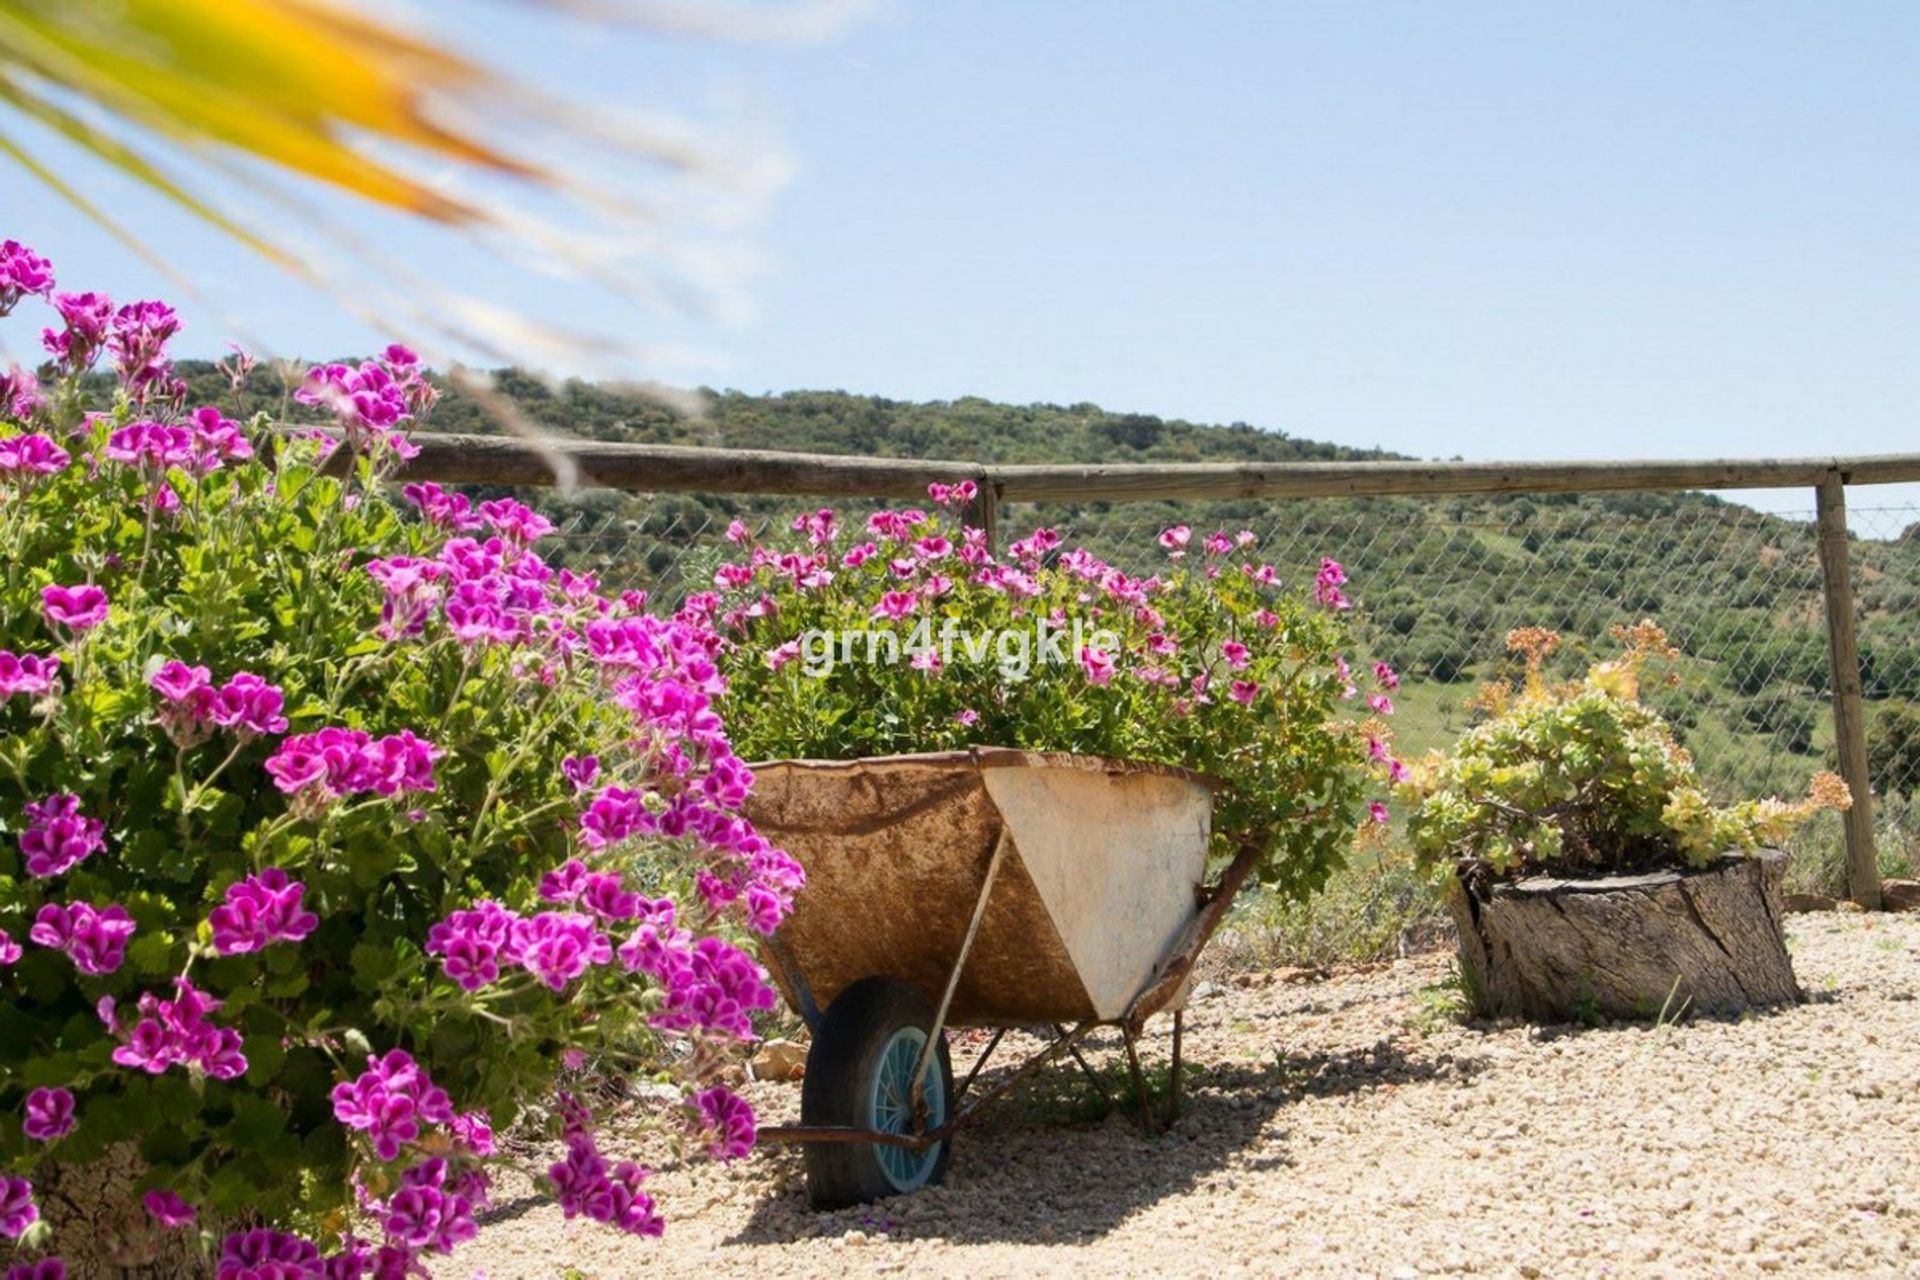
(1630, 947)
(100, 1227)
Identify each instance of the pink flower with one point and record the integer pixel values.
(737, 531)
(926, 660)
(819, 526)
(263, 1254)
(1378, 811)
(58, 836)
(95, 939)
(175, 1032)
(10, 951)
(76, 608)
(1381, 703)
(44, 1269)
(1377, 750)
(1397, 772)
(138, 340)
(474, 944)
(558, 946)
(1176, 538)
(49, 1115)
(30, 455)
(17, 1209)
(580, 771)
(1244, 691)
(366, 402)
(726, 1122)
(342, 762)
(519, 524)
(259, 911)
(896, 604)
(219, 438)
(1097, 664)
(154, 447)
(22, 271)
(86, 318)
(473, 1130)
(168, 1209)
(451, 511)
(1235, 653)
(391, 1101)
(1384, 674)
(249, 704)
(584, 1185)
(26, 456)
(966, 717)
(27, 673)
(189, 695)
(1218, 544)
(1326, 585)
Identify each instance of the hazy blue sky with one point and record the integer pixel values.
(1493, 230)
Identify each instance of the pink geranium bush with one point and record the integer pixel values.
(336, 825)
(907, 633)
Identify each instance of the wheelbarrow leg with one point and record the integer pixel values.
(1139, 1080)
(1060, 1033)
(978, 1063)
(1173, 1084)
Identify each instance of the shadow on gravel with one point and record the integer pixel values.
(1019, 1180)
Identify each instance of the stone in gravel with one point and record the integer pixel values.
(782, 1060)
(1900, 895)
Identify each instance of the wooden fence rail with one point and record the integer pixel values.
(647, 468)
(468, 459)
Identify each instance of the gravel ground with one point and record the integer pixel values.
(1344, 1124)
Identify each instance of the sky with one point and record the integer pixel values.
(1487, 230)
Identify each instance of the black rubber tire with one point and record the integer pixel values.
(840, 1069)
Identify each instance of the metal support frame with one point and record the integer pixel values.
(1086, 1068)
(932, 1046)
(1155, 996)
(979, 1063)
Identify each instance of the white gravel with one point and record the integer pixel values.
(1343, 1127)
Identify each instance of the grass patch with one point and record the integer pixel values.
(1377, 907)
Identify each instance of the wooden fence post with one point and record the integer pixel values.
(1849, 724)
(984, 511)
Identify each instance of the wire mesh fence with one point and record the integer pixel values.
(1439, 582)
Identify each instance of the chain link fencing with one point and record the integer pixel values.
(1439, 582)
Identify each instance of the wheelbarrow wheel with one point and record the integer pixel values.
(859, 1074)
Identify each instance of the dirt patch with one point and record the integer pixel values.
(1347, 1126)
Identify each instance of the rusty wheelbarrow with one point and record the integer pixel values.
(985, 888)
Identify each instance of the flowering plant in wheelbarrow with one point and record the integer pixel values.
(1115, 732)
(908, 634)
(334, 832)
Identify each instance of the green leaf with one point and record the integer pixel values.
(152, 954)
(374, 963)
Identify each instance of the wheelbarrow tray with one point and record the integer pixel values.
(1100, 876)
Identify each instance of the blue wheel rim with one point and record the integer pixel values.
(890, 1109)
